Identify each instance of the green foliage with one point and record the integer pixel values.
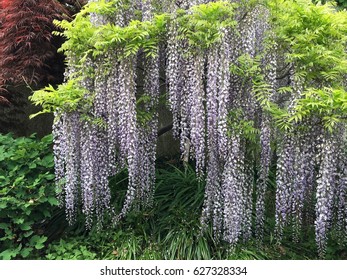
(72, 250)
(241, 126)
(66, 97)
(144, 116)
(281, 117)
(27, 194)
(328, 103)
(203, 24)
(77, 42)
(129, 40)
(179, 197)
(314, 38)
(246, 67)
(249, 71)
(85, 39)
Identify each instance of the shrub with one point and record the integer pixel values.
(27, 195)
(72, 250)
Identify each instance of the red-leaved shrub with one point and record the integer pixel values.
(27, 46)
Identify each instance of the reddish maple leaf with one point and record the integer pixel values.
(26, 40)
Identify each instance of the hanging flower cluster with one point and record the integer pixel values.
(90, 147)
(200, 110)
(234, 91)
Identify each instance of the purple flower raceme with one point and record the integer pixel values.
(341, 191)
(265, 157)
(116, 157)
(185, 111)
(147, 9)
(174, 72)
(59, 151)
(148, 133)
(223, 86)
(232, 189)
(303, 179)
(196, 97)
(128, 127)
(265, 135)
(284, 182)
(88, 162)
(326, 185)
(212, 207)
(72, 130)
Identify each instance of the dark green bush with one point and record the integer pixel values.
(72, 250)
(27, 194)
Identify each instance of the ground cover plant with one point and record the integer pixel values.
(257, 91)
(27, 194)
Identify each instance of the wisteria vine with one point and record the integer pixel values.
(240, 105)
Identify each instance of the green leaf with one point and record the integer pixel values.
(45, 111)
(38, 241)
(18, 221)
(53, 201)
(4, 226)
(3, 204)
(47, 161)
(10, 253)
(26, 226)
(28, 233)
(32, 165)
(50, 176)
(25, 252)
